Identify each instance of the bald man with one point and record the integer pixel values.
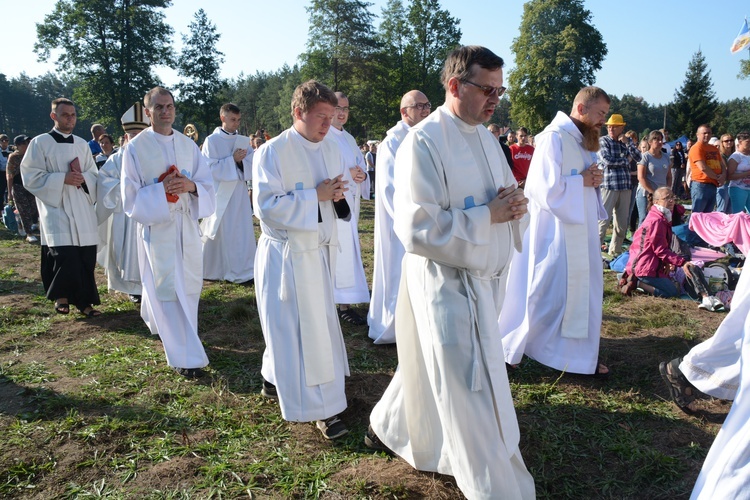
(389, 251)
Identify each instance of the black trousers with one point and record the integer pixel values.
(68, 273)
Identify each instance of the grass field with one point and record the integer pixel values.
(89, 408)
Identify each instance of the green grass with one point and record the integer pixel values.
(90, 409)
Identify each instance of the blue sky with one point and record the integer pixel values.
(650, 43)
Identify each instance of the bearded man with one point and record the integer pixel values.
(557, 321)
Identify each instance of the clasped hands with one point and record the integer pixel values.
(332, 189)
(509, 204)
(592, 176)
(176, 183)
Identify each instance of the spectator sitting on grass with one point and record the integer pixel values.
(652, 260)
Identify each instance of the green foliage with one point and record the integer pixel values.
(732, 117)
(695, 102)
(198, 66)
(109, 47)
(557, 53)
(744, 69)
(637, 113)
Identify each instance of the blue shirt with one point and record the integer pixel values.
(614, 158)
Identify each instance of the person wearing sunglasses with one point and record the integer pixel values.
(459, 214)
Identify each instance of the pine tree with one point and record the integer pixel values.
(695, 102)
(198, 66)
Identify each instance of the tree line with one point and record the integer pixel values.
(107, 62)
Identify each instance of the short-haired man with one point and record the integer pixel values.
(553, 311)
(496, 131)
(521, 152)
(707, 171)
(59, 170)
(458, 212)
(350, 283)
(388, 249)
(228, 235)
(166, 188)
(118, 253)
(298, 193)
(614, 159)
(97, 129)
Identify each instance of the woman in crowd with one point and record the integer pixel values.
(738, 173)
(653, 173)
(723, 203)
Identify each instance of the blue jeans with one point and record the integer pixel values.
(703, 195)
(740, 199)
(723, 201)
(663, 287)
(642, 203)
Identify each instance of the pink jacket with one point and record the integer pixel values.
(651, 250)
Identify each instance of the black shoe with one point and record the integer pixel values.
(249, 283)
(135, 299)
(373, 442)
(269, 390)
(332, 427)
(350, 316)
(189, 372)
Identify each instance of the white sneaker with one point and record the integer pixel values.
(716, 304)
(706, 304)
(32, 239)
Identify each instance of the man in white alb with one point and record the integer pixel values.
(119, 255)
(350, 283)
(59, 170)
(298, 193)
(458, 210)
(166, 188)
(388, 250)
(553, 312)
(228, 235)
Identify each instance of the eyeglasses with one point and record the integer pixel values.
(420, 105)
(487, 90)
(339, 109)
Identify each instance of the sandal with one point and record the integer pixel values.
(681, 390)
(90, 312)
(62, 308)
(350, 316)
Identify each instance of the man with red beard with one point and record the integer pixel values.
(554, 312)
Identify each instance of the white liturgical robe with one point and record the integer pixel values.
(66, 213)
(228, 235)
(119, 252)
(553, 311)
(448, 408)
(350, 283)
(305, 356)
(169, 245)
(388, 250)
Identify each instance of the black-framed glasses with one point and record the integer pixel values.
(339, 109)
(420, 106)
(487, 90)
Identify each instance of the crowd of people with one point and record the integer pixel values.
(462, 214)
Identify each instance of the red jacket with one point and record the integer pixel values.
(652, 255)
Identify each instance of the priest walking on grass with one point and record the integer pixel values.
(166, 188)
(553, 309)
(458, 213)
(298, 194)
(59, 170)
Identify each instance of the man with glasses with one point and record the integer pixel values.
(553, 311)
(459, 213)
(350, 283)
(707, 171)
(5, 152)
(521, 152)
(614, 159)
(389, 251)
